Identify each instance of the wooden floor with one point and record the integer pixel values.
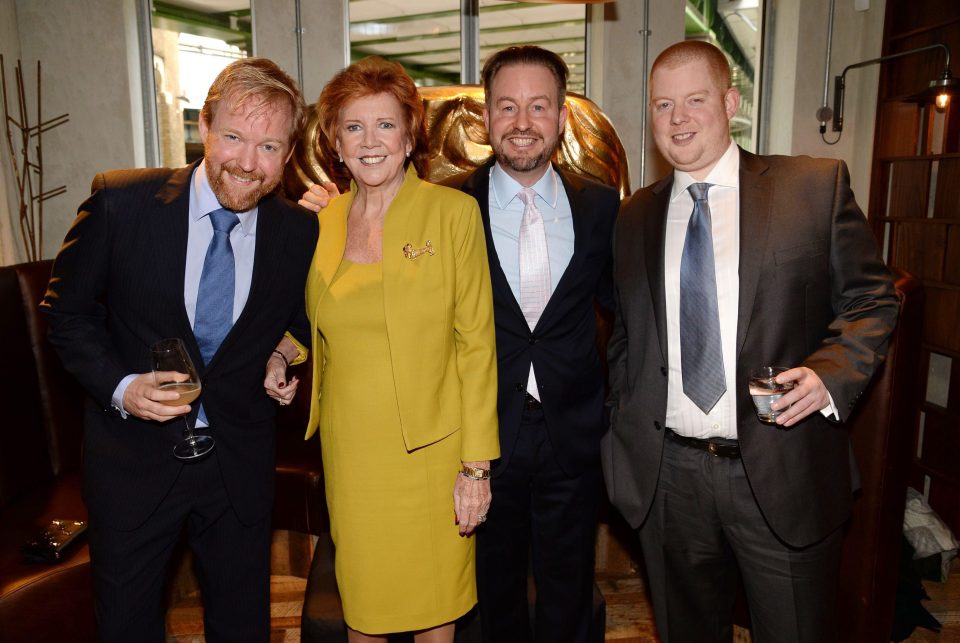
(629, 615)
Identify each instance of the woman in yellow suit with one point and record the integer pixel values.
(404, 366)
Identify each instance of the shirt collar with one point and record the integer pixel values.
(203, 201)
(505, 187)
(726, 173)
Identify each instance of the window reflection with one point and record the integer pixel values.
(190, 47)
(735, 27)
(424, 35)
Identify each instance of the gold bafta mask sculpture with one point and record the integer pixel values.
(458, 143)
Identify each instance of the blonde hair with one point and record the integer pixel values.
(260, 80)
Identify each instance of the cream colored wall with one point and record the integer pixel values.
(10, 251)
(800, 41)
(83, 47)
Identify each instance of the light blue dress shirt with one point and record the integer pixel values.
(243, 238)
(506, 212)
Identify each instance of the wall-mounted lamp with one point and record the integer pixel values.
(940, 89)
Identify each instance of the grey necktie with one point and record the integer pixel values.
(701, 356)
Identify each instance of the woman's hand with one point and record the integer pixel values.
(275, 382)
(471, 499)
(318, 196)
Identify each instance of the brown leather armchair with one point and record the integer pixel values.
(881, 432)
(40, 470)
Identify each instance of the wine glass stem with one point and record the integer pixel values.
(187, 431)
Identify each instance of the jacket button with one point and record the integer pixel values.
(663, 371)
(520, 388)
(656, 425)
(532, 340)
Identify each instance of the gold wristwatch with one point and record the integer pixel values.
(475, 473)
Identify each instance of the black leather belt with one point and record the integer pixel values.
(720, 448)
(532, 403)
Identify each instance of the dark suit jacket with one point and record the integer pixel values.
(813, 292)
(563, 346)
(117, 288)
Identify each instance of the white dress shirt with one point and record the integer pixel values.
(506, 213)
(683, 416)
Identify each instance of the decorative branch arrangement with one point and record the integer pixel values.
(27, 167)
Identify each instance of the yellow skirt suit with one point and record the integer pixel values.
(404, 388)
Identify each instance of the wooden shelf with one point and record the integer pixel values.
(925, 220)
(920, 157)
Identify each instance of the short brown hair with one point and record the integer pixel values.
(368, 77)
(526, 55)
(687, 51)
(259, 80)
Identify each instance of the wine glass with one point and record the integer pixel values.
(173, 370)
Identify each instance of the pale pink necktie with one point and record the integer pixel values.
(534, 260)
(534, 269)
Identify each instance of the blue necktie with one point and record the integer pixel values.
(700, 350)
(214, 315)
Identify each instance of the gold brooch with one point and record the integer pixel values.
(412, 253)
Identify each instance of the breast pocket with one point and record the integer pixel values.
(812, 250)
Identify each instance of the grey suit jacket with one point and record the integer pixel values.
(813, 292)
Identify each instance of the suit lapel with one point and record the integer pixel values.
(170, 250)
(654, 236)
(756, 197)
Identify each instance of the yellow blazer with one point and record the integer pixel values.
(439, 314)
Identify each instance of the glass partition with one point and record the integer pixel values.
(190, 47)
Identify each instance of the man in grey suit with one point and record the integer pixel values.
(733, 262)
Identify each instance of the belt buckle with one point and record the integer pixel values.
(713, 448)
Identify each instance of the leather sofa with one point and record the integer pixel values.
(40, 448)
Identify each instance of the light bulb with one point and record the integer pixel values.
(943, 99)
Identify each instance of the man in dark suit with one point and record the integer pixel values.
(548, 240)
(146, 257)
(734, 262)
(546, 485)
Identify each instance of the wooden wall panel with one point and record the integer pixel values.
(947, 196)
(951, 268)
(941, 321)
(909, 189)
(904, 17)
(912, 74)
(919, 249)
(898, 121)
